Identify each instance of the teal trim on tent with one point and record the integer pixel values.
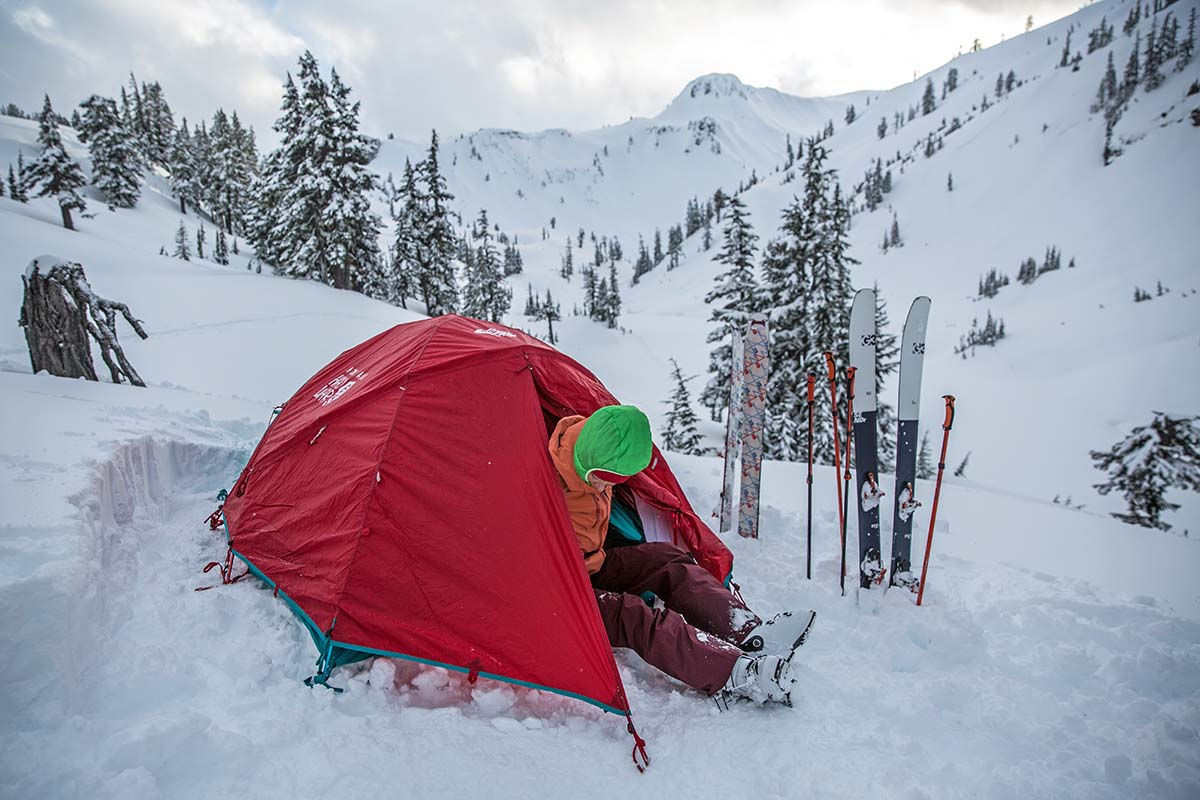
(333, 653)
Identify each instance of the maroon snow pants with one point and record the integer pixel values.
(699, 653)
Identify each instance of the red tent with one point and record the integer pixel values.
(403, 503)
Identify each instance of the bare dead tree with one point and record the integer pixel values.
(60, 311)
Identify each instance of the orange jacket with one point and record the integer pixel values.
(588, 507)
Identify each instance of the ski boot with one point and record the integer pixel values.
(761, 679)
(781, 634)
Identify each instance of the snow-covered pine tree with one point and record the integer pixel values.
(184, 181)
(1132, 73)
(896, 241)
(435, 238)
(881, 131)
(279, 170)
(486, 295)
(1152, 459)
(887, 361)
(1153, 77)
(658, 248)
(961, 470)
(925, 470)
(221, 248)
(928, 100)
(674, 246)
(200, 239)
(16, 188)
(612, 299)
(568, 263)
(549, 311)
(807, 282)
(352, 227)
(1188, 46)
(159, 132)
(681, 435)
(54, 173)
(735, 296)
(851, 114)
(182, 250)
(643, 263)
(116, 165)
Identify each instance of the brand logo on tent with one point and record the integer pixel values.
(339, 386)
(494, 332)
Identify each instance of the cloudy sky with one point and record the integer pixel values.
(458, 65)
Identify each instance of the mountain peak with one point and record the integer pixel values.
(715, 85)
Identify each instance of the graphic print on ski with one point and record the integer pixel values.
(866, 494)
(754, 410)
(912, 361)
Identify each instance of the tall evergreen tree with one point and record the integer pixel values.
(734, 298)
(409, 219)
(643, 263)
(116, 166)
(435, 238)
(184, 181)
(1188, 45)
(612, 299)
(16, 184)
(182, 249)
(486, 296)
(279, 171)
(55, 174)
(681, 435)
(1153, 76)
(925, 459)
(928, 100)
(806, 272)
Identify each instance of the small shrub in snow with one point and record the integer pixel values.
(1165, 454)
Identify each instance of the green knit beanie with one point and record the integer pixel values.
(614, 439)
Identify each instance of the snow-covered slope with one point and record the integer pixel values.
(1056, 656)
(627, 178)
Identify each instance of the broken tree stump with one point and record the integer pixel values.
(60, 311)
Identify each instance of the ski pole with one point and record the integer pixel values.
(937, 489)
(850, 371)
(837, 456)
(812, 389)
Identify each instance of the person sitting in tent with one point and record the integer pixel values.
(706, 636)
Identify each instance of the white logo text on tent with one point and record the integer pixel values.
(339, 386)
(494, 332)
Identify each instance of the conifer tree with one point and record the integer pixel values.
(55, 174)
(643, 264)
(486, 295)
(681, 435)
(116, 166)
(18, 182)
(658, 248)
(851, 115)
(200, 239)
(1152, 76)
(674, 246)
(806, 272)
(961, 470)
(612, 300)
(1132, 69)
(734, 298)
(184, 181)
(551, 313)
(280, 171)
(928, 101)
(181, 243)
(221, 248)
(435, 238)
(881, 131)
(1188, 45)
(925, 459)
(1152, 459)
(568, 264)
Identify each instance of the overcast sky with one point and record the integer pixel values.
(457, 65)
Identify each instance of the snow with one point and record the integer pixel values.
(1057, 653)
